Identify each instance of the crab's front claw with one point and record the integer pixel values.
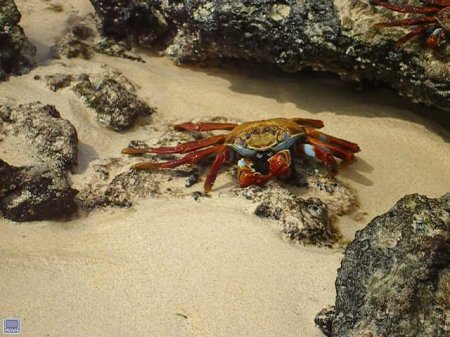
(248, 176)
(280, 164)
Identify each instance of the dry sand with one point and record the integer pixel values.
(177, 267)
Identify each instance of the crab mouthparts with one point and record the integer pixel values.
(261, 162)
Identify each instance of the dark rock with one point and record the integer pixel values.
(324, 320)
(120, 190)
(77, 39)
(300, 220)
(115, 103)
(16, 52)
(115, 48)
(393, 280)
(9, 178)
(81, 39)
(34, 193)
(326, 35)
(197, 195)
(129, 186)
(110, 94)
(58, 81)
(339, 198)
(41, 191)
(53, 138)
(142, 22)
(191, 180)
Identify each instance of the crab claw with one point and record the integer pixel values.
(248, 176)
(279, 164)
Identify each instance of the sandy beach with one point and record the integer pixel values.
(179, 267)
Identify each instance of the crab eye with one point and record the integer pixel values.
(285, 135)
(239, 142)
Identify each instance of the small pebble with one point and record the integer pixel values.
(191, 180)
(196, 195)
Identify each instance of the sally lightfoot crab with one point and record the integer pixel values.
(262, 149)
(434, 21)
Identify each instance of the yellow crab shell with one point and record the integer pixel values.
(270, 135)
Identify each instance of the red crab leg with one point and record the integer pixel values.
(406, 8)
(415, 32)
(191, 158)
(335, 150)
(439, 2)
(248, 178)
(322, 155)
(204, 126)
(406, 22)
(180, 148)
(334, 141)
(314, 123)
(212, 174)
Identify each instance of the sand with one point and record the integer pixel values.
(178, 267)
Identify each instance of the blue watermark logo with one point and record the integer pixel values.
(11, 326)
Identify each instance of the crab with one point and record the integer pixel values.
(435, 21)
(262, 149)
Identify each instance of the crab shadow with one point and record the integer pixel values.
(304, 89)
(353, 172)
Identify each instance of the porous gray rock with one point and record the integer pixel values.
(77, 39)
(54, 139)
(337, 36)
(41, 190)
(81, 38)
(116, 106)
(324, 320)
(110, 94)
(34, 193)
(116, 48)
(123, 190)
(142, 22)
(304, 221)
(394, 277)
(16, 52)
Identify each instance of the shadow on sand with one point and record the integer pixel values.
(306, 88)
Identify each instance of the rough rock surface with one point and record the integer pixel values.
(39, 191)
(110, 94)
(34, 193)
(76, 40)
(16, 51)
(300, 220)
(394, 278)
(115, 48)
(324, 320)
(336, 36)
(142, 22)
(113, 183)
(81, 39)
(53, 138)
